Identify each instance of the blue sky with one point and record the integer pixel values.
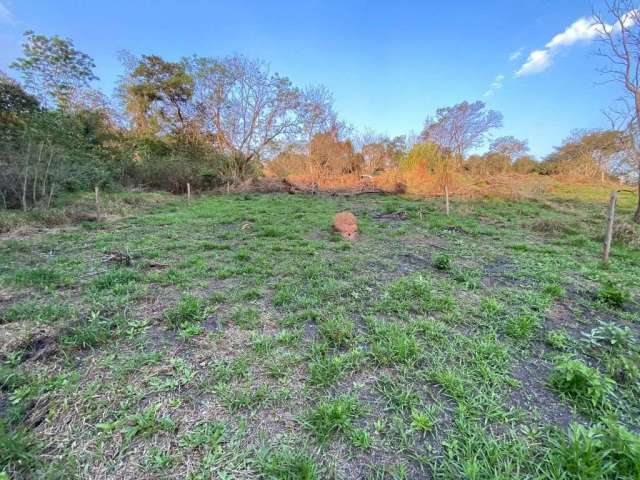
(388, 64)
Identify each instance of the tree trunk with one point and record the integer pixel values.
(636, 216)
(24, 188)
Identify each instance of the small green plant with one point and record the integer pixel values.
(521, 326)
(558, 339)
(333, 416)
(361, 438)
(89, 333)
(400, 396)
(553, 290)
(391, 343)
(424, 420)
(442, 262)
(610, 338)
(204, 434)
(605, 451)
(189, 330)
(17, 448)
(491, 308)
(613, 295)
(223, 371)
(582, 384)
(246, 398)
(246, 318)
(287, 464)
(147, 423)
(242, 255)
(190, 309)
(337, 330)
(159, 460)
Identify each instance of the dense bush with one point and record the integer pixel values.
(47, 153)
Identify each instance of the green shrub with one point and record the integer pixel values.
(580, 383)
(442, 262)
(613, 295)
(604, 451)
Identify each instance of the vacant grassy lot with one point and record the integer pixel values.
(239, 338)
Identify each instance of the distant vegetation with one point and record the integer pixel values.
(215, 122)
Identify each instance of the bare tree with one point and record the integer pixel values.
(621, 49)
(247, 109)
(509, 146)
(316, 112)
(461, 127)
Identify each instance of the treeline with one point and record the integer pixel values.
(223, 121)
(443, 148)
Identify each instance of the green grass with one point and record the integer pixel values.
(333, 416)
(492, 343)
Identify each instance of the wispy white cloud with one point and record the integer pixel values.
(495, 86)
(513, 56)
(583, 30)
(5, 14)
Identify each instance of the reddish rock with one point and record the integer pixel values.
(346, 224)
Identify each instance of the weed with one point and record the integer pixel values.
(286, 464)
(333, 416)
(613, 295)
(246, 398)
(521, 326)
(423, 421)
(17, 448)
(400, 396)
(337, 330)
(361, 438)
(442, 262)
(392, 343)
(584, 385)
(147, 423)
(41, 277)
(604, 451)
(611, 338)
(190, 309)
(91, 332)
(558, 339)
(247, 318)
(203, 434)
(412, 294)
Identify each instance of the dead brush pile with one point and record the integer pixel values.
(422, 183)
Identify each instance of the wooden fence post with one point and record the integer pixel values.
(188, 193)
(446, 198)
(98, 213)
(609, 233)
